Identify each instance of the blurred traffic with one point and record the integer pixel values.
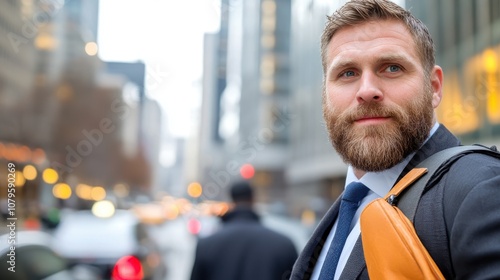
(34, 258)
(115, 242)
(153, 240)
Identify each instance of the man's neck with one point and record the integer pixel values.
(359, 173)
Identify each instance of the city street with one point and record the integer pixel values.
(178, 244)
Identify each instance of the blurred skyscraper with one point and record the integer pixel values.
(245, 115)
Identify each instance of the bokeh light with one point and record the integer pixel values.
(50, 176)
(62, 191)
(103, 209)
(195, 190)
(29, 172)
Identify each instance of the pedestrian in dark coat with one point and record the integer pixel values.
(243, 249)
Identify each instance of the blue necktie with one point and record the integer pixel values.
(351, 198)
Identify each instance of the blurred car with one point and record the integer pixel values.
(120, 246)
(27, 255)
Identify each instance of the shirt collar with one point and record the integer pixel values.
(381, 182)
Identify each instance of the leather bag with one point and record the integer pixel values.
(391, 246)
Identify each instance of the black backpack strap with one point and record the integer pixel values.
(437, 165)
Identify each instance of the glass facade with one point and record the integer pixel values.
(467, 39)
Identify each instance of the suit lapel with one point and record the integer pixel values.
(304, 265)
(356, 262)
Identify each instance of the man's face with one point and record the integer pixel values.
(378, 103)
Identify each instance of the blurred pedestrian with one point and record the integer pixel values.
(381, 88)
(243, 249)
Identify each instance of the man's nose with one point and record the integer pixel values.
(369, 88)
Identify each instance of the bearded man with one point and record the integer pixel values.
(381, 88)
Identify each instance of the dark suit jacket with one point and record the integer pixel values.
(244, 250)
(457, 219)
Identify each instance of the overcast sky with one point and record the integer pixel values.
(168, 36)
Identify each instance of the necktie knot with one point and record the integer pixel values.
(354, 192)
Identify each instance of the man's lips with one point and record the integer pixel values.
(371, 120)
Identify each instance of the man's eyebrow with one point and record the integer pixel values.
(394, 57)
(339, 63)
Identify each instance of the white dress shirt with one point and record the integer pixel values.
(379, 184)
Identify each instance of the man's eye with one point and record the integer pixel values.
(393, 68)
(348, 74)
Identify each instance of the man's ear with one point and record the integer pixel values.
(436, 80)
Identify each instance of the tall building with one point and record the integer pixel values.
(57, 107)
(246, 110)
(152, 127)
(315, 172)
(467, 39)
(18, 57)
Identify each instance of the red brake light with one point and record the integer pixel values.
(247, 171)
(194, 226)
(128, 268)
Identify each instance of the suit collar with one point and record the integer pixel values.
(240, 214)
(440, 140)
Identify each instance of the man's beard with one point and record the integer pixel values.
(378, 147)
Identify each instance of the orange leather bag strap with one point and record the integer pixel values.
(407, 199)
(406, 181)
